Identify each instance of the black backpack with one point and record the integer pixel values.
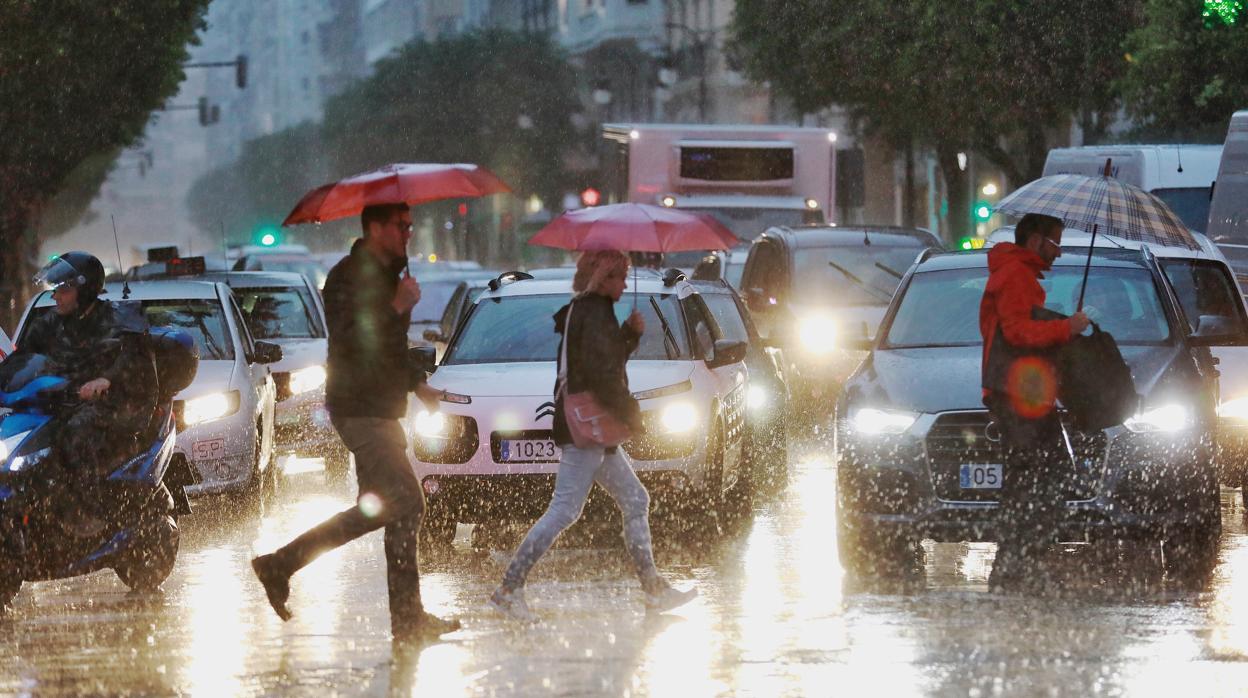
(1096, 384)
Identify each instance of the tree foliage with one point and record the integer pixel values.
(77, 78)
(995, 77)
(1186, 73)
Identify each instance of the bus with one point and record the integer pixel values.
(749, 177)
(1228, 209)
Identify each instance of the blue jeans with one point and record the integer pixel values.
(579, 469)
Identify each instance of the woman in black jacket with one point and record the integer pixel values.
(597, 350)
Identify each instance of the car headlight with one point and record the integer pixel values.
(817, 334)
(678, 417)
(869, 420)
(1162, 419)
(306, 379)
(209, 407)
(29, 460)
(757, 397)
(430, 425)
(1236, 409)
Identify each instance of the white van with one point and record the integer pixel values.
(1180, 175)
(1228, 210)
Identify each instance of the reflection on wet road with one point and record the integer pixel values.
(775, 617)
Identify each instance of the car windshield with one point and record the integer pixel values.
(434, 295)
(309, 268)
(1191, 204)
(279, 313)
(941, 308)
(522, 329)
(852, 274)
(204, 319)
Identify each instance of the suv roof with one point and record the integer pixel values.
(1102, 257)
(832, 235)
(645, 283)
(1073, 237)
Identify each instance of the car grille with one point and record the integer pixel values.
(959, 437)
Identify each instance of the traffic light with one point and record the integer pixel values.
(973, 242)
(267, 236)
(590, 196)
(240, 71)
(1225, 12)
(982, 211)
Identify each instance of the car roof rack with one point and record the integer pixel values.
(508, 277)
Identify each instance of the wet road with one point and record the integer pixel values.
(774, 619)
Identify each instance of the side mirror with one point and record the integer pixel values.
(432, 335)
(267, 353)
(709, 269)
(727, 352)
(1216, 330)
(423, 359)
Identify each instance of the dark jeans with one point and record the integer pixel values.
(1037, 463)
(390, 496)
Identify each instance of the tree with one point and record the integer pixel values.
(496, 98)
(77, 78)
(1186, 69)
(994, 77)
(260, 188)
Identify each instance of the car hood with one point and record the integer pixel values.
(211, 377)
(948, 378)
(299, 353)
(538, 378)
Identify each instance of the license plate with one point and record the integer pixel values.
(980, 476)
(208, 449)
(528, 450)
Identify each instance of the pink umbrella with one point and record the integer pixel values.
(635, 228)
(403, 183)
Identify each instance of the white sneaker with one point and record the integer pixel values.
(512, 603)
(668, 598)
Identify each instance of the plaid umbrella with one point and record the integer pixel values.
(1101, 204)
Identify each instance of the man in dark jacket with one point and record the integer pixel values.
(85, 339)
(367, 307)
(1020, 389)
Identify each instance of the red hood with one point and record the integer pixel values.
(1005, 253)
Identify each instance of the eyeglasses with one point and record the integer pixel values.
(1050, 241)
(402, 226)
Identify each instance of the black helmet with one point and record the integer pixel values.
(78, 269)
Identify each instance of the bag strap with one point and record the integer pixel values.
(562, 380)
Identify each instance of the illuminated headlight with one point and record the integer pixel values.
(29, 460)
(306, 379)
(1236, 409)
(678, 417)
(429, 424)
(756, 397)
(817, 334)
(209, 407)
(869, 420)
(1166, 418)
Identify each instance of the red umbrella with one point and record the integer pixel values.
(403, 183)
(635, 228)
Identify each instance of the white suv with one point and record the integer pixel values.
(487, 455)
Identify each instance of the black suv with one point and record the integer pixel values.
(813, 291)
(918, 458)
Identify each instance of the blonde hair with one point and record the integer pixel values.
(593, 266)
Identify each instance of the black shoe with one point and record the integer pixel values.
(424, 627)
(276, 583)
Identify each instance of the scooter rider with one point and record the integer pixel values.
(97, 346)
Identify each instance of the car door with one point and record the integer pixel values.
(450, 318)
(262, 390)
(731, 382)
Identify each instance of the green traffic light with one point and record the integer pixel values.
(982, 211)
(966, 243)
(1226, 11)
(268, 239)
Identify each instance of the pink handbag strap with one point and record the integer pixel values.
(562, 380)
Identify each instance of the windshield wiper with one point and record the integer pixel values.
(208, 338)
(879, 293)
(888, 270)
(673, 350)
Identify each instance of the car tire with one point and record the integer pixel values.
(706, 514)
(262, 491)
(437, 531)
(868, 554)
(151, 561)
(769, 459)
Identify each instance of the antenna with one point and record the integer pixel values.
(225, 248)
(125, 283)
(1178, 150)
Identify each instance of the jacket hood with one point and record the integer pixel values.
(1006, 253)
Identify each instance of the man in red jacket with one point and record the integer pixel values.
(1020, 390)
